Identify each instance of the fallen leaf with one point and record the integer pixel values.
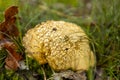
(69, 75)
(13, 58)
(8, 29)
(10, 12)
(11, 51)
(11, 63)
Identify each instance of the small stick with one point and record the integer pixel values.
(44, 73)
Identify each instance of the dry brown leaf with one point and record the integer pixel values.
(11, 51)
(10, 12)
(12, 59)
(8, 29)
(11, 63)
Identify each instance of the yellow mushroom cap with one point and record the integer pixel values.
(62, 45)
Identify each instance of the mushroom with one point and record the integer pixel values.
(63, 45)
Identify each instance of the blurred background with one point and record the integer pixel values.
(99, 18)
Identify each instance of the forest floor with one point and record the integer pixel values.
(100, 19)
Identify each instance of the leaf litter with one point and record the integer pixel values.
(9, 30)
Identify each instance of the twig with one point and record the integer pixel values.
(44, 73)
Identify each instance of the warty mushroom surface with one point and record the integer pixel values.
(63, 45)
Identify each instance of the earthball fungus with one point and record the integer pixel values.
(61, 44)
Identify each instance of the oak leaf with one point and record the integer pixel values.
(12, 58)
(8, 29)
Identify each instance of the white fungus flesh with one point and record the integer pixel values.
(61, 44)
